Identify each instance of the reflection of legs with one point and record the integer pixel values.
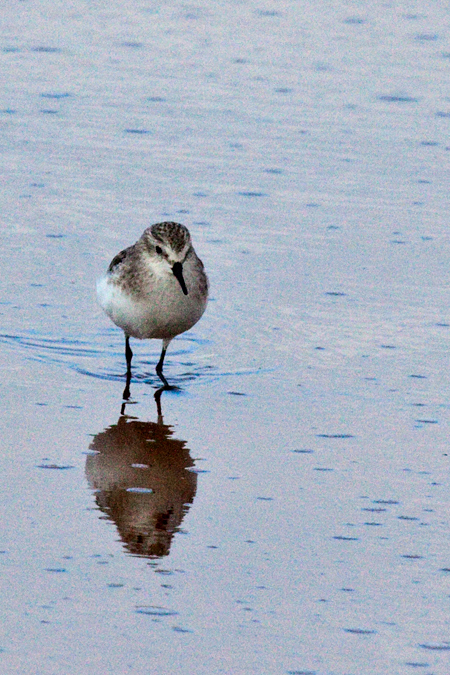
(159, 367)
(128, 356)
(158, 394)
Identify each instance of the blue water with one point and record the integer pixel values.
(285, 510)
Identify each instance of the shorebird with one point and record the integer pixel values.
(155, 289)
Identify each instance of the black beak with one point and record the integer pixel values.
(177, 270)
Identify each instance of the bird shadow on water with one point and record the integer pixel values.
(143, 478)
(144, 481)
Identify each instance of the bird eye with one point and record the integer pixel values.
(158, 250)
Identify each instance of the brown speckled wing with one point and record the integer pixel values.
(203, 280)
(118, 259)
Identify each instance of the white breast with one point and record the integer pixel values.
(164, 313)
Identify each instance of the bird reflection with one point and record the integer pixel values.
(142, 483)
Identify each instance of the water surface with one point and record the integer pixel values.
(286, 509)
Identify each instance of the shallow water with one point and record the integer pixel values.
(286, 510)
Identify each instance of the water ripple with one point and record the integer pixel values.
(108, 362)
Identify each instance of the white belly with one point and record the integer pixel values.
(162, 315)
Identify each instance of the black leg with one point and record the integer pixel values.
(128, 356)
(128, 352)
(159, 368)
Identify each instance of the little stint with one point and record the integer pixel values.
(156, 288)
